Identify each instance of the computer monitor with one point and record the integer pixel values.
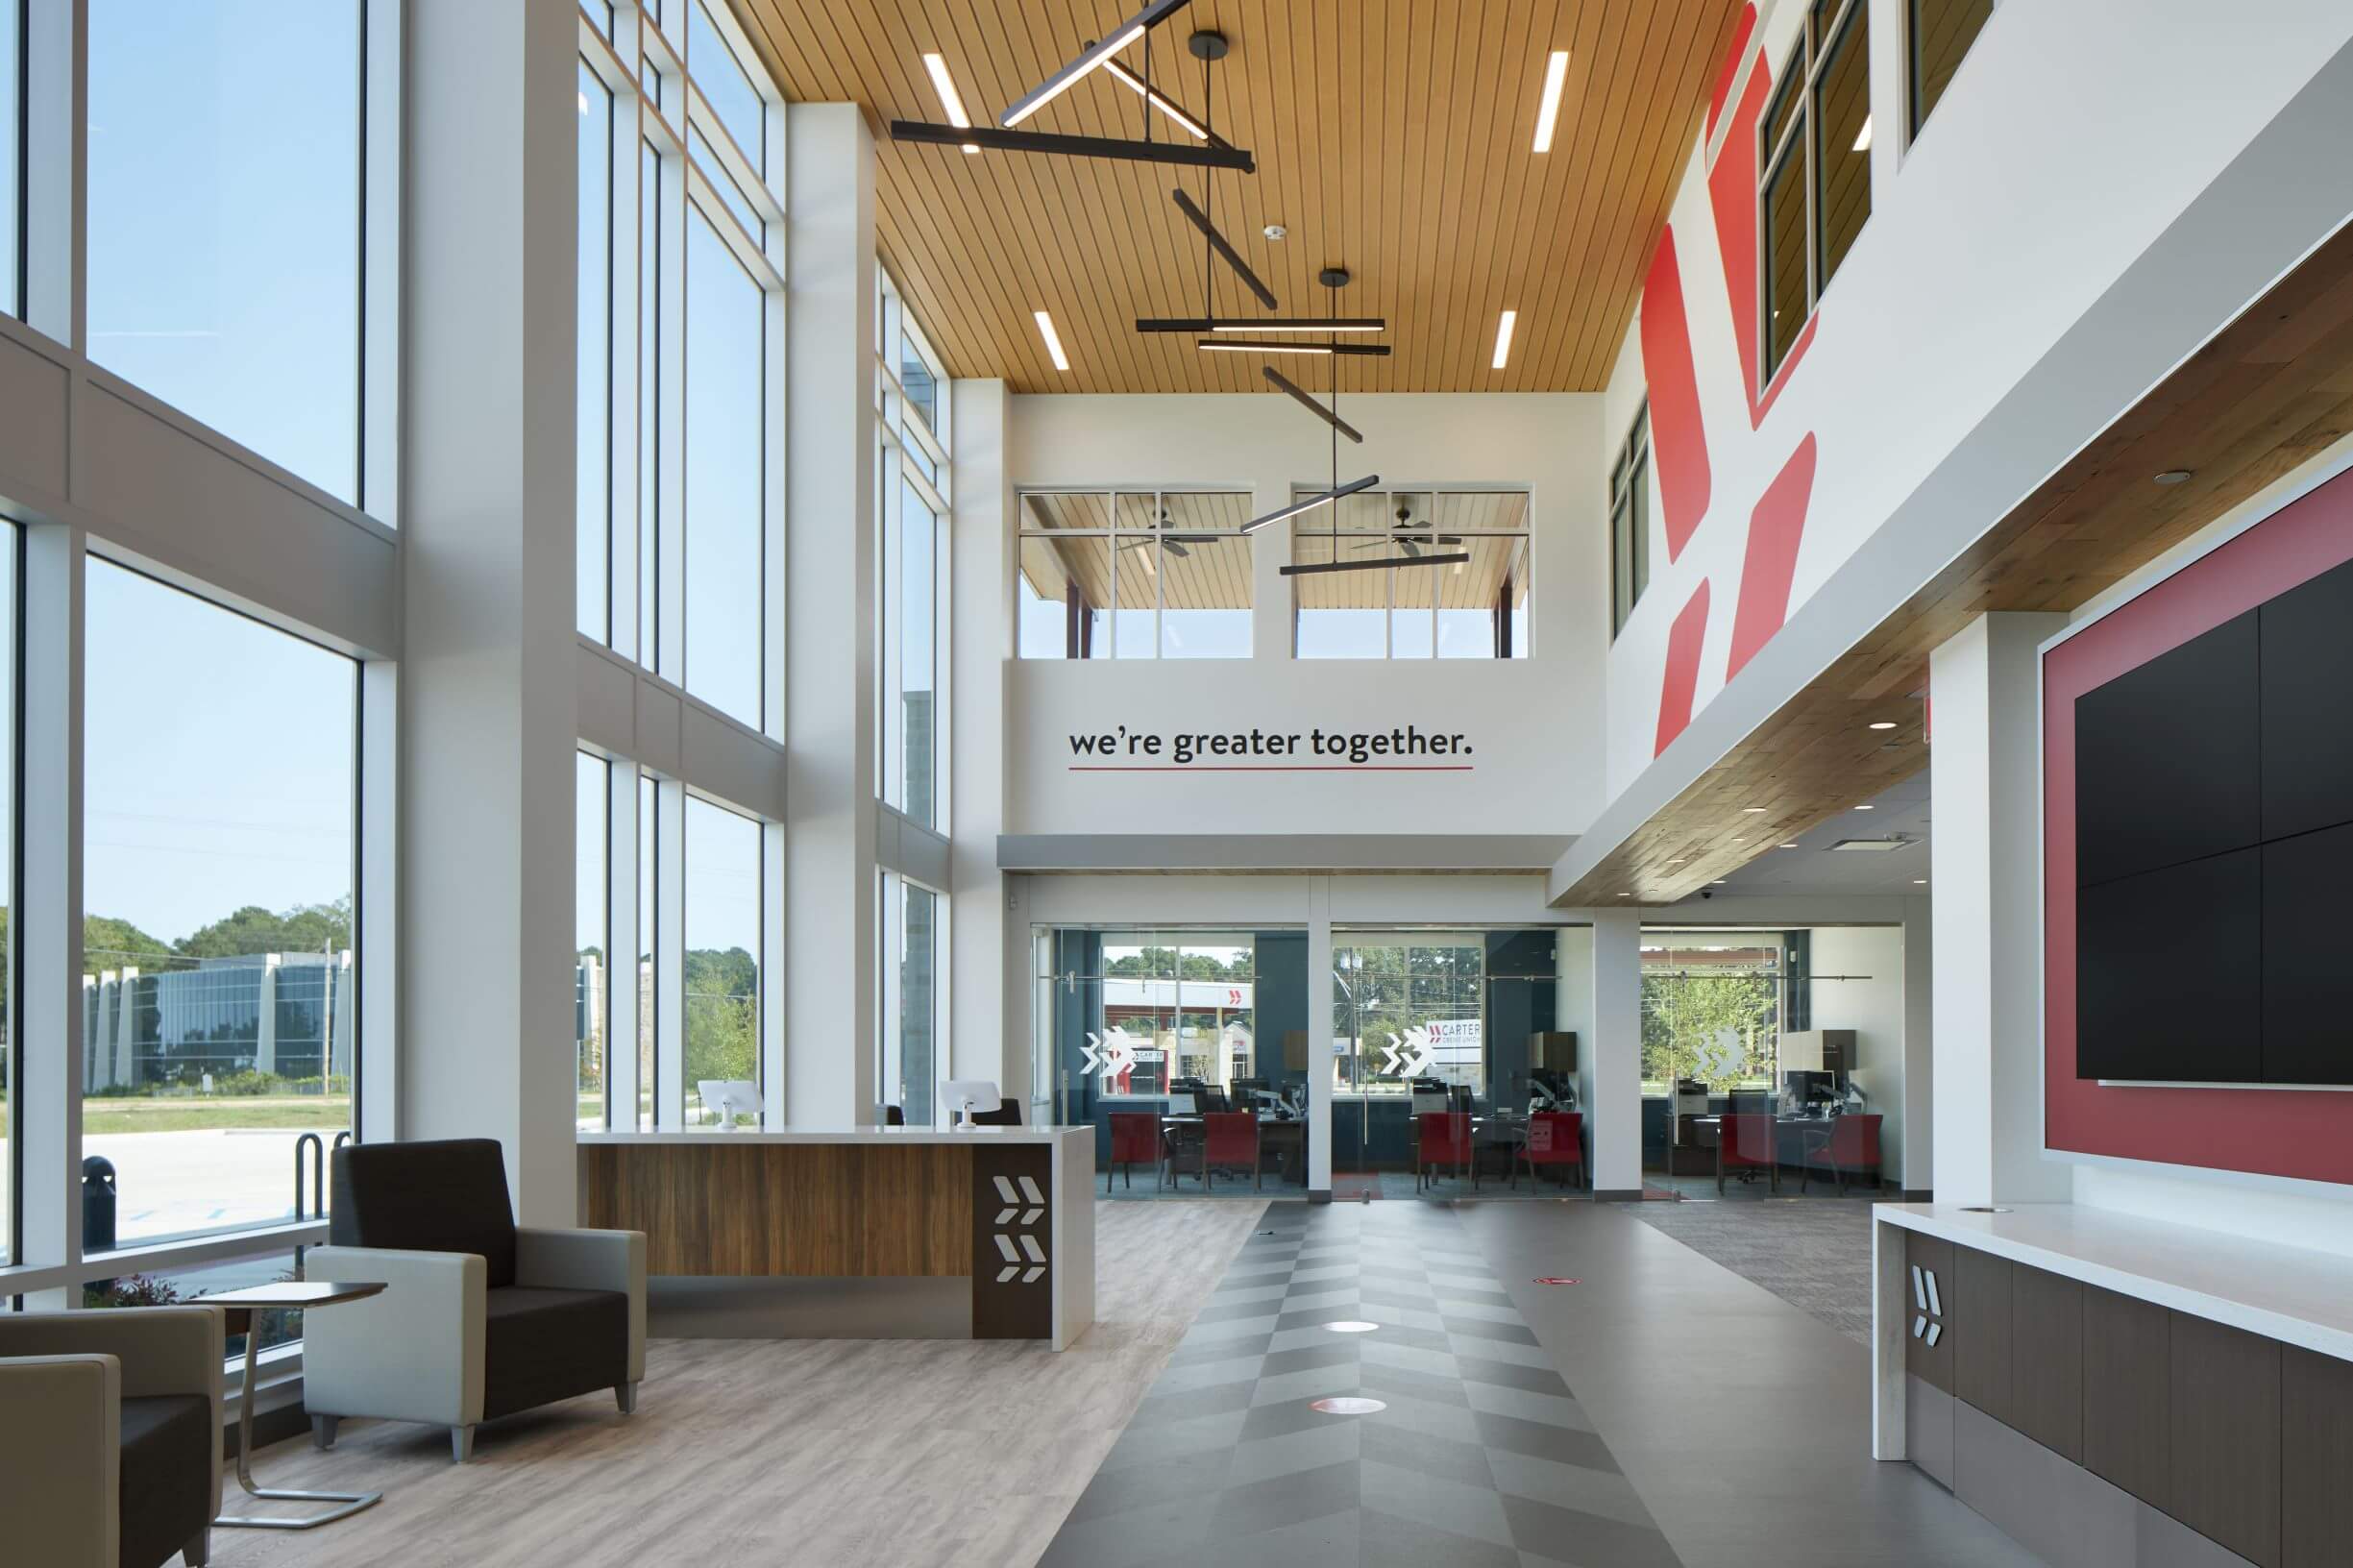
(967, 1095)
(728, 1098)
(1810, 1088)
(1247, 1091)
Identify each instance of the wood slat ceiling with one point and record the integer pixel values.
(1392, 136)
(2271, 390)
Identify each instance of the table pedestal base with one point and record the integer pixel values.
(351, 1502)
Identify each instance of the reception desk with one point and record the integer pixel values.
(860, 1233)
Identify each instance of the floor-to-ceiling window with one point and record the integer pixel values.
(682, 436)
(911, 999)
(224, 206)
(591, 900)
(912, 495)
(722, 995)
(218, 898)
(11, 133)
(680, 416)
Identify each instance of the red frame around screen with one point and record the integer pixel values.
(2297, 1132)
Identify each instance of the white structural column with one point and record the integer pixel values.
(980, 1044)
(1918, 1172)
(488, 684)
(830, 891)
(1985, 765)
(1322, 998)
(1610, 1057)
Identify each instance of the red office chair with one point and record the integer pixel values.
(1231, 1139)
(1850, 1144)
(1134, 1135)
(1744, 1144)
(1555, 1137)
(1444, 1138)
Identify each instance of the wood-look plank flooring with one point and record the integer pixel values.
(819, 1454)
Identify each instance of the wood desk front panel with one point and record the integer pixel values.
(819, 1210)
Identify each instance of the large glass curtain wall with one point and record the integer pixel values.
(914, 492)
(682, 315)
(679, 885)
(913, 965)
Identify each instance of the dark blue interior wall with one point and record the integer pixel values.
(1281, 999)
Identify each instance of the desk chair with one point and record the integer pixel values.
(1134, 1135)
(1744, 1146)
(1231, 1139)
(1848, 1145)
(1182, 1141)
(1444, 1138)
(1555, 1137)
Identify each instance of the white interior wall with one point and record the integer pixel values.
(1533, 722)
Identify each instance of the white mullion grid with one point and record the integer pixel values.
(670, 217)
(889, 563)
(49, 999)
(1160, 579)
(774, 456)
(621, 978)
(55, 56)
(774, 1104)
(669, 955)
(379, 261)
(891, 931)
(732, 159)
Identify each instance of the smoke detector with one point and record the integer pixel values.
(1274, 231)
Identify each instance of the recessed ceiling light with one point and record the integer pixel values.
(1866, 808)
(1053, 339)
(1719, 882)
(1548, 107)
(1919, 881)
(1883, 723)
(1862, 138)
(1626, 895)
(1503, 337)
(1789, 846)
(949, 100)
(2174, 475)
(1752, 808)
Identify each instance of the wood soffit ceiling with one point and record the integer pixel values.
(1392, 136)
(2268, 392)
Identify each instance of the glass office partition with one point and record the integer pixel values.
(1175, 1025)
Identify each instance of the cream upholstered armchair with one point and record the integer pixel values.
(481, 1318)
(111, 1440)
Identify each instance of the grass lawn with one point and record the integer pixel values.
(179, 1114)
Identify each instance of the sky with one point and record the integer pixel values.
(218, 762)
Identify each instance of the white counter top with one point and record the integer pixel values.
(2292, 1295)
(848, 1135)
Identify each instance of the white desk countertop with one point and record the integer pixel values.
(2293, 1294)
(848, 1135)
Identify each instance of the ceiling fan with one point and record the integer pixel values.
(1411, 545)
(1173, 543)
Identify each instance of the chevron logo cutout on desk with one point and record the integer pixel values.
(1020, 1252)
(1929, 1326)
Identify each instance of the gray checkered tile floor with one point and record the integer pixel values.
(1483, 1458)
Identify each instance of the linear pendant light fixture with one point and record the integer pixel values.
(1041, 141)
(1093, 55)
(1309, 503)
(1249, 344)
(1311, 569)
(1307, 400)
(1161, 101)
(1226, 253)
(1261, 324)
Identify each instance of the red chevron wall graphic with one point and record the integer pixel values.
(1678, 435)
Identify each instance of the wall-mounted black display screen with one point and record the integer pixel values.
(2213, 827)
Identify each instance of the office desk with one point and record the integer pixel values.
(872, 1233)
(1285, 1139)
